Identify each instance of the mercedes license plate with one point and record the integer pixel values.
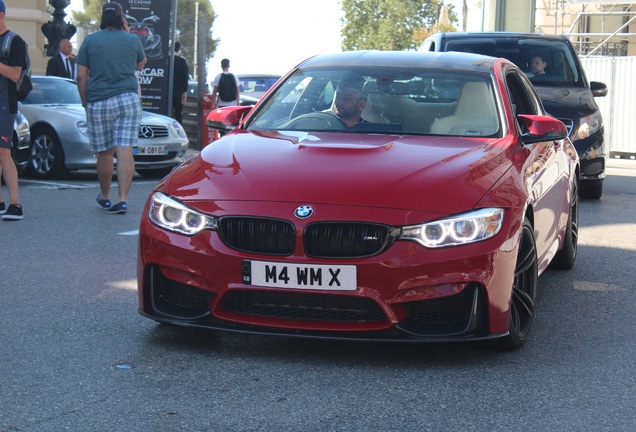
(156, 150)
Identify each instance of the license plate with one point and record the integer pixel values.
(151, 150)
(300, 276)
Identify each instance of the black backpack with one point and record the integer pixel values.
(23, 84)
(227, 87)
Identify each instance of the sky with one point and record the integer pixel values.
(273, 36)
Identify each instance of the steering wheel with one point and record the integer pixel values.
(315, 121)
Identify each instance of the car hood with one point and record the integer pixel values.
(78, 112)
(149, 118)
(44, 111)
(439, 174)
(568, 102)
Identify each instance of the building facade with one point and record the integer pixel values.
(606, 28)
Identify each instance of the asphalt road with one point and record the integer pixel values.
(76, 356)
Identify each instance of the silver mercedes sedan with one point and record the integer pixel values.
(59, 140)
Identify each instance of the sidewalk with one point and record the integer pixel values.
(621, 163)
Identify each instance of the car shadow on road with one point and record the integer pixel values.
(229, 345)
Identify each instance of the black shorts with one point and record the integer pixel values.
(6, 128)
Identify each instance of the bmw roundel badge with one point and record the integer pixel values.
(303, 212)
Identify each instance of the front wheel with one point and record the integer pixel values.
(46, 158)
(524, 291)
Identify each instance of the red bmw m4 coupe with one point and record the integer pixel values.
(400, 196)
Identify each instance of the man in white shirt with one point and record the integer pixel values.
(226, 88)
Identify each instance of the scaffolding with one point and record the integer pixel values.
(605, 31)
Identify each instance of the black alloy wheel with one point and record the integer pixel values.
(524, 290)
(566, 256)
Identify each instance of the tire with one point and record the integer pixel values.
(46, 158)
(154, 172)
(524, 291)
(566, 256)
(592, 189)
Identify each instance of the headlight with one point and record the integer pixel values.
(457, 230)
(22, 128)
(171, 215)
(177, 130)
(82, 126)
(588, 125)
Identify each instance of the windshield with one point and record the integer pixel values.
(545, 62)
(391, 100)
(53, 91)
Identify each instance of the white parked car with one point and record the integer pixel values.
(59, 140)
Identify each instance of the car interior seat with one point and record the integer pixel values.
(475, 114)
(369, 112)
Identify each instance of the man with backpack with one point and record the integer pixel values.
(226, 90)
(11, 67)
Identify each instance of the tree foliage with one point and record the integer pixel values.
(90, 18)
(390, 25)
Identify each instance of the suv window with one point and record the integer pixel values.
(560, 64)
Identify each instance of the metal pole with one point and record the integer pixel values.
(196, 37)
(201, 41)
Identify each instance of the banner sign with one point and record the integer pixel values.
(151, 21)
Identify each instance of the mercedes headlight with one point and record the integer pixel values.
(588, 125)
(457, 230)
(171, 215)
(177, 130)
(82, 126)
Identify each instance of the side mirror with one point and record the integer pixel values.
(540, 129)
(227, 118)
(599, 89)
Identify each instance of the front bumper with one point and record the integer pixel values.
(80, 155)
(592, 153)
(405, 293)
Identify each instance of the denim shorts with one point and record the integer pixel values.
(114, 122)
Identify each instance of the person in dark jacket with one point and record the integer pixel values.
(179, 84)
(62, 64)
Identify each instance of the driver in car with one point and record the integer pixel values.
(350, 101)
(538, 64)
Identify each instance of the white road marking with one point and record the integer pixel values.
(43, 184)
(129, 233)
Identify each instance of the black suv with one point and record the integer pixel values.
(562, 87)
